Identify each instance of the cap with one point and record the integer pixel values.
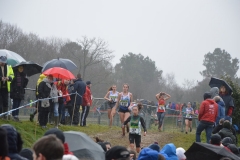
(207, 95)
(216, 139)
(155, 147)
(88, 82)
(27, 153)
(117, 152)
(3, 59)
(59, 134)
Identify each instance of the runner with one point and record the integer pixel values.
(188, 118)
(161, 97)
(124, 100)
(135, 127)
(111, 97)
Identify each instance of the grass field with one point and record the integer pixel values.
(31, 132)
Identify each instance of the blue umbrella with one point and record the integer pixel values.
(216, 82)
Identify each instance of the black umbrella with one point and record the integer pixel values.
(83, 146)
(60, 62)
(30, 68)
(200, 151)
(216, 82)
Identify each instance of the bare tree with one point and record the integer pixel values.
(188, 84)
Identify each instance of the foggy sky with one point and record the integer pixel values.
(175, 34)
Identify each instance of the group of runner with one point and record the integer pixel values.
(124, 101)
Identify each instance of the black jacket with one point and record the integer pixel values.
(13, 143)
(80, 87)
(44, 89)
(227, 133)
(17, 92)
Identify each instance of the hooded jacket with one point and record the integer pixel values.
(215, 92)
(80, 87)
(87, 97)
(44, 89)
(170, 151)
(8, 72)
(17, 92)
(148, 154)
(225, 132)
(13, 140)
(208, 111)
(40, 79)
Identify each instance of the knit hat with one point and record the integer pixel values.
(88, 82)
(59, 134)
(27, 153)
(3, 59)
(227, 125)
(207, 95)
(216, 139)
(180, 153)
(226, 141)
(233, 148)
(117, 152)
(155, 147)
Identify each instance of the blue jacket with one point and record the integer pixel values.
(12, 138)
(148, 154)
(173, 106)
(80, 87)
(169, 152)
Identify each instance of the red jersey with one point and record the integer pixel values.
(161, 105)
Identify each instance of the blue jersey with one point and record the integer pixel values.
(124, 102)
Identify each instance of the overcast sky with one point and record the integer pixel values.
(175, 34)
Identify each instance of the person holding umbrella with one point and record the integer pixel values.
(17, 90)
(228, 100)
(6, 76)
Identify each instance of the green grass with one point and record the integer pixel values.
(31, 132)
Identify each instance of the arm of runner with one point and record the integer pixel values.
(116, 105)
(107, 96)
(168, 96)
(157, 96)
(143, 125)
(127, 120)
(131, 98)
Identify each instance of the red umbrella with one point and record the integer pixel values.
(59, 72)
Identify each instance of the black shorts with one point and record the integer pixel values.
(111, 105)
(190, 119)
(135, 138)
(123, 111)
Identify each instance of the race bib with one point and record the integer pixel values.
(113, 98)
(188, 116)
(124, 103)
(134, 131)
(161, 107)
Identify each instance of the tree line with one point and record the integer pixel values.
(93, 58)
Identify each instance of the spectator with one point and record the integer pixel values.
(41, 77)
(63, 87)
(180, 153)
(108, 145)
(79, 87)
(169, 152)
(4, 145)
(221, 108)
(148, 154)
(226, 131)
(48, 148)
(54, 105)
(14, 142)
(228, 100)
(118, 152)
(226, 141)
(155, 147)
(26, 153)
(59, 134)
(17, 91)
(44, 89)
(217, 141)
(103, 146)
(133, 155)
(207, 117)
(233, 148)
(6, 76)
(87, 102)
(218, 127)
(194, 106)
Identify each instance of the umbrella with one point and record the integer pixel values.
(216, 82)
(200, 151)
(83, 146)
(12, 57)
(30, 68)
(60, 62)
(60, 73)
